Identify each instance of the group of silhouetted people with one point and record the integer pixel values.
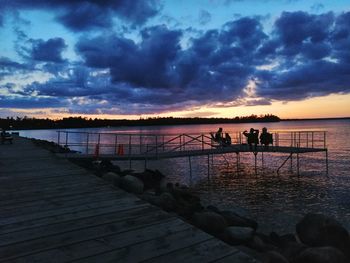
(222, 140)
(253, 138)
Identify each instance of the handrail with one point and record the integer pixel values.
(140, 143)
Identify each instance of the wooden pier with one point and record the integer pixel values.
(129, 147)
(54, 211)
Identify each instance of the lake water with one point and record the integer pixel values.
(277, 202)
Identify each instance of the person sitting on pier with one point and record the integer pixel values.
(5, 136)
(265, 138)
(227, 140)
(217, 137)
(252, 137)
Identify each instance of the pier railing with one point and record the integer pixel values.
(92, 143)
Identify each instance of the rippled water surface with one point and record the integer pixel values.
(276, 201)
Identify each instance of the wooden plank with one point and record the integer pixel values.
(97, 250)
(73, 225)
(238, 257)
(206, 251)
(75, 215)
(60, 191)
(150, 246)
(19, 186)
(47, 213)
(52, 204)
(36, 245)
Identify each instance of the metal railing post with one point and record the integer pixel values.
(116, 145)
(66, 139)
(87, 143)
(59, 137)
(157, 146)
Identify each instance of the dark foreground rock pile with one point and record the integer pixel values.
(317, 239)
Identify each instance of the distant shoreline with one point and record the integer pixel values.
(79, 122)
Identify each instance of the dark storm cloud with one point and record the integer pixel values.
(30, 102)
(83, 14)
(8, 64)
(49, 51)
(314, 56)
(215, 67)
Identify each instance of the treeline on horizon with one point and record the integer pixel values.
(19, 123)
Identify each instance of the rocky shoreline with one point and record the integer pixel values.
(317, 238)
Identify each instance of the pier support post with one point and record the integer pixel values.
(238, 162)
(291, 163)
(326, 162)
(255, 163)
(298, 165)
(208, 167)
(189, 161)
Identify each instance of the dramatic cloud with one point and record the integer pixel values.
(48, 51)
(81, 15)
(156, 68)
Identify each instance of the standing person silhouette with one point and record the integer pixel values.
(252, 137)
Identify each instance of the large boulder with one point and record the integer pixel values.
(239, 235)
(321, 255)
(234, 219)
(274, 257)
(151, 179)
(132, 184)
(113, 178)
(167, 202)
(210, 222)
(318, 230)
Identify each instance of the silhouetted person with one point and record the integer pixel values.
(227, 140)
(252, 137)
(218, 135)
(265, 138)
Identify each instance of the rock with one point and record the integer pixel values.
(165, 185)
(187, 202)
(167, 202)
(210, 222)
(132, 184)
(274, 257)
(291, 249)
(321, 255)
(319, 230)
(239, 235)
(258, 244)
(113, 178)
(234, 219)
(151, 179)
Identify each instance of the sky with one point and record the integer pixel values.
(181, 58)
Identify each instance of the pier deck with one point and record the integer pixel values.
(55, 211)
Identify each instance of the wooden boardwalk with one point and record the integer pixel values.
(54, 211)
